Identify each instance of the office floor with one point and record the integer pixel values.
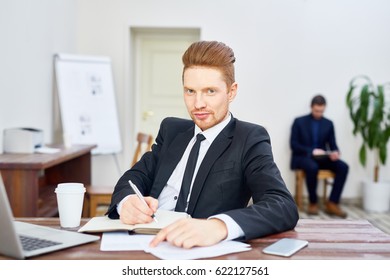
(355, 212)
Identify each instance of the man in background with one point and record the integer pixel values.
(233, 164)
(313, 145)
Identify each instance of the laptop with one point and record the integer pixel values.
(23, 240)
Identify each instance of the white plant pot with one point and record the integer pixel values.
(376, 196)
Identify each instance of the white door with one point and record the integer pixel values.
(158, 75)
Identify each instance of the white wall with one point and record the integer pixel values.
(31, 32)
(286, 52)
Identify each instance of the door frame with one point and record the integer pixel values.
(132, 112)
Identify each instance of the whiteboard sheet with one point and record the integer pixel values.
(87, 102)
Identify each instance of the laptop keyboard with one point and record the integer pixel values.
(32, 243)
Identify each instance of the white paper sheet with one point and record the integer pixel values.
(167, 251)
(46, 150)
(122, 241)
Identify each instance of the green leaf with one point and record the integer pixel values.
(382, 153)
(363, 155)
(349, 97)
(364, 103)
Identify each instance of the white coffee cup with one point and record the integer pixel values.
(70, 199)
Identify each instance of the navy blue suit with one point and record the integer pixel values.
(302, 143)
(238, 165)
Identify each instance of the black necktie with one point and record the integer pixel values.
(188, 174)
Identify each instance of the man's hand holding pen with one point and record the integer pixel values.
(134, 211)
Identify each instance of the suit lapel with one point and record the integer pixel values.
(167, 164)
(309, 126)
(218, 146)
(321, 132)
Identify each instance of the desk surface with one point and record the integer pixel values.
(328, 239)
(30, 179)
(42, 161)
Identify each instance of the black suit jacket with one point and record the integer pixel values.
(301, 139)
(238, 165)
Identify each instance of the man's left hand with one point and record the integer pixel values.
(335, 155)
(188, 233)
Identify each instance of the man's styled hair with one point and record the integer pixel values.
(318, 100)
(211, 54)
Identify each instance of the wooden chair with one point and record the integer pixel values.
(323, 174)
(101, 195)
(96, 196)
(144, 145)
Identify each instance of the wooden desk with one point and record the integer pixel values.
(30, 179)
(328, 239)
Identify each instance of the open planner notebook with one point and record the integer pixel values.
(105, 224)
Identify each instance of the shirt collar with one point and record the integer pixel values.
(213, 132)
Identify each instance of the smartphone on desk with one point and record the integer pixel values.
(285, 247)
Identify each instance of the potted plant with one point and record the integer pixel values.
(370, 114)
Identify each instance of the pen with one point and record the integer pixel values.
(141, 197)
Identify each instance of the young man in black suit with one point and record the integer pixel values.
(313, 145)
(234, 163)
